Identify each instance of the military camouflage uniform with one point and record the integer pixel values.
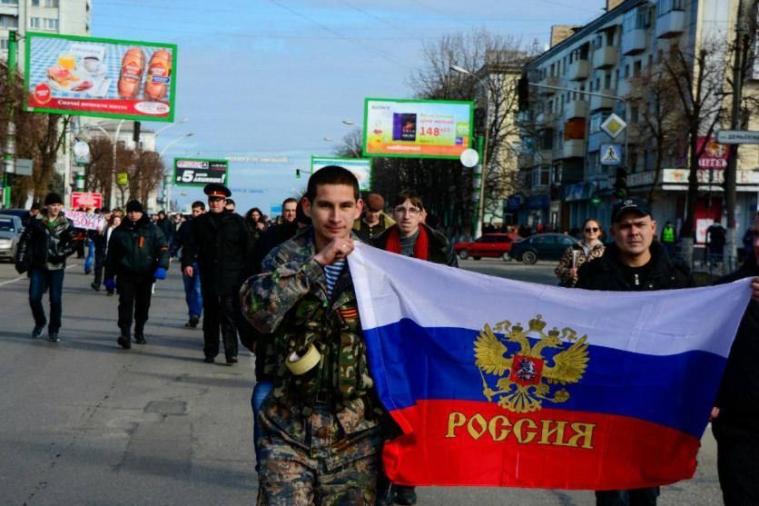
(321, 440)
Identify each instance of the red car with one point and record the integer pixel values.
(489, 245)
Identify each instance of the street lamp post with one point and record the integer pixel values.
(160, 155)
(482, 148)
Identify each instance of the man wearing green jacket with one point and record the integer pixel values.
(138, 254)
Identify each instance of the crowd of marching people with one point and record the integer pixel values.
(283, 291)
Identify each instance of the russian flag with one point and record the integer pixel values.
(496, 382)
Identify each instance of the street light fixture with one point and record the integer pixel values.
(483, 166)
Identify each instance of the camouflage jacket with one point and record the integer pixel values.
(289, 301)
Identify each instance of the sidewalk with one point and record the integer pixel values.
(85, 422)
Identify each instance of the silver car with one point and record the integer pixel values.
(10, 233)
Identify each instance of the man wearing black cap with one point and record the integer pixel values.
(138, 254)
(218, 242)
(633, 263)
(46, 242)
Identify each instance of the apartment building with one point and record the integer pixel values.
(595, 70)
(72, 17)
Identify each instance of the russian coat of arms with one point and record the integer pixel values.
(527, 374)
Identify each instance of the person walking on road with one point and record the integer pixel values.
(218, 243)
(669, 238)
(193, 294)
(634, 262)
(735, 417)
(321, 438)
(43, 248)
(138, 254)
(574, 257)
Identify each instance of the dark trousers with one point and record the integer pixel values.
(737, 463)
(134, 299)
(222, 312)
(637, 497)
(40, 281)
(99, 264)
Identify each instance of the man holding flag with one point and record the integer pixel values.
(634, 262)
(320, 434)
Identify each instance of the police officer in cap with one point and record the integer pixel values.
(219, 243)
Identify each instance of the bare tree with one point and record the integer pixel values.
(698, 80)
(146, 174)
(99, 171)
(351, 145)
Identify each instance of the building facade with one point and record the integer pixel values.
(572, 169)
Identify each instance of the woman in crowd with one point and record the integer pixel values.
(590, 248)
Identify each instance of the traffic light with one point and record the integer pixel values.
(620, 183)
(297, 173)
(136, 133)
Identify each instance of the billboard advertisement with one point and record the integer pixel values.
(199, 171)
(108, 78)
(714, 156)
(360, 167)
(417, 128)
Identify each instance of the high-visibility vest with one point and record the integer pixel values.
(668, 234)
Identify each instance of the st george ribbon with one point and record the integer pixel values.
(496, 382)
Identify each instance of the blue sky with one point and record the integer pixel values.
(274, 78)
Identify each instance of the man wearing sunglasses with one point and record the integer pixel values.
(735, 417)
(634, 262)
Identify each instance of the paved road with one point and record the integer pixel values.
(84, 422)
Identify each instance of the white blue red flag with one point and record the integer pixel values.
(504, 383)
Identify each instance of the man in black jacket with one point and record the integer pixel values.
(46, 242)
(735, 417)
(633, 263)
(218, 242)
(138, 254)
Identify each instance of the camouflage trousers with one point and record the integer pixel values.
(326, 467)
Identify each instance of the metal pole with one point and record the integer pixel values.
(114, 141)
(9, 157)
(732, 163)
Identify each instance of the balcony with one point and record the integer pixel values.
(545, 119)
(634, 41)
(597, 102)
(573, 148)
(549, 81)
(578, 70)
(670, 24)
(576, 109)
(605, 57)
(544, 156)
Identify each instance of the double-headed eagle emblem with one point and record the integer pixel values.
(526, 378)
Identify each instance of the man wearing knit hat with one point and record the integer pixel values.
(138, 254)
(42, 251)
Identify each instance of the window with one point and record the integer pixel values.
(8, 21)
(637, 68)
(610, 38)
(35, 3)
(9, 2)
(51, 24)
(51, 3)
(3, 44)
(607, 81)
(34, 23)
(627, 71)
(666, 6)
(634, 114)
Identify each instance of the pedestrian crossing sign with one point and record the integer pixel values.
(611, 154)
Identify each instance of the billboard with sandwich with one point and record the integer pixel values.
(417, 128)
(68, 74)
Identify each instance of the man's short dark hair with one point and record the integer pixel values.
(198, 204)
(36, 205)
(408, 195)
(287, 201)
(331, 174)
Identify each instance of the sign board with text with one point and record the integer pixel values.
(109, 78)
(87, 221)
(360, 167)
(738, 136)
(417, 128)
(714, 154)
(199, 171)
(87, 200)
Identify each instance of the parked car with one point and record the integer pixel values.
(489, 245)
(541, 247)
(10, 233)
